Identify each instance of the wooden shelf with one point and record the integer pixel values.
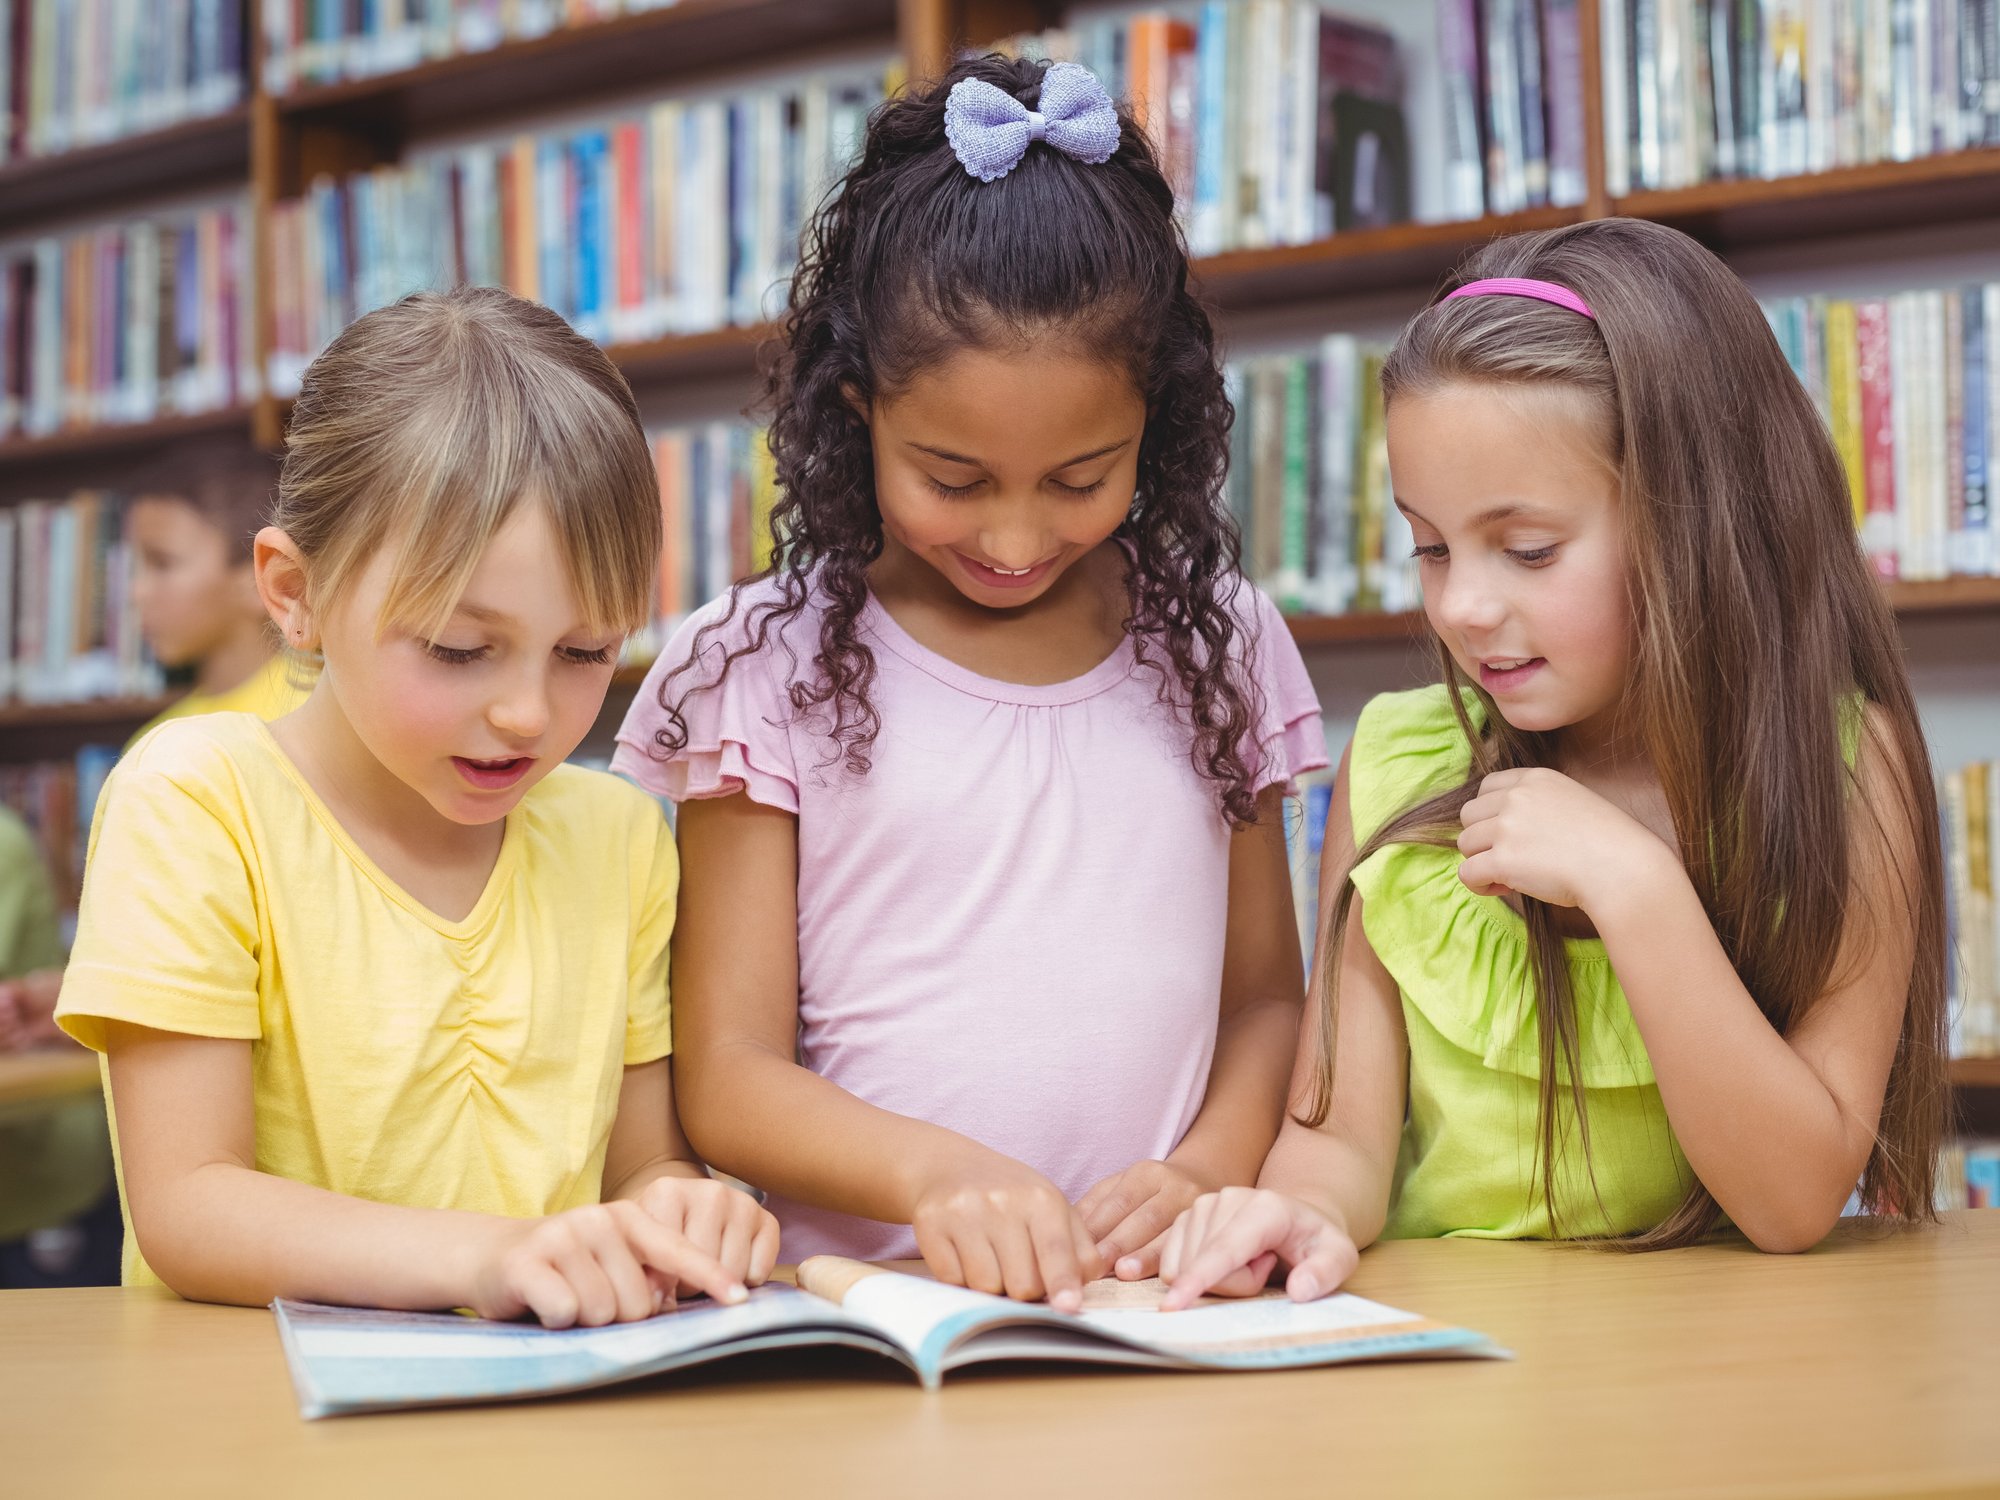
(1911, 600)
(1354, 629)
(1399, 256)
(1946, 596)
(1882, 195)
(595, 60)
(1975, 1072)
(182, 155)
(91, 712)
(731, 351)
(117, 437)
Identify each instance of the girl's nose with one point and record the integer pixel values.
(1465, 601)
(522, 712)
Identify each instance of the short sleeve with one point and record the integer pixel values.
(1407, 747)
(648, 1006)
(1291, 739)
(735, 719)
(167, 931)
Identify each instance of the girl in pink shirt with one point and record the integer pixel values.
(985, 947)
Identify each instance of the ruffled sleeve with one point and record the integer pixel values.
(1290, 738)
(1462, 960)
(736, 721)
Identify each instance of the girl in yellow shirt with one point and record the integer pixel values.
(382, 986)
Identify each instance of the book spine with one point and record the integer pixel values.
(586, 159)
(1951, 373)
(1843, 383)
(1972, 556)
(1506, 165)
(1339, 360)
(1206, 232)
(1458, 66)
(1878, 434)
(1531, 104)
(1562, 75)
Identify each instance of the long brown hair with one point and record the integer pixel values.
(1755, 623)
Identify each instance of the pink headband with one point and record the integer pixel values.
(1516, 286)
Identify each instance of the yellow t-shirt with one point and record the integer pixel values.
(396, 1056)
(270, 692)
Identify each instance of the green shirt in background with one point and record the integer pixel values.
(55, 1155)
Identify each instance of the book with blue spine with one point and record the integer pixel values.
(588, 153)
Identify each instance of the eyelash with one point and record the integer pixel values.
(1534, 557)
(577, 657)
(960, 491)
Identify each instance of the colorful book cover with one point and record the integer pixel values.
(1878, 434)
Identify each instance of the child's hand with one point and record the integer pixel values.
(1535, 832)
(608, 1263)
(718, 1220)
(998, 1226)
(28, 1010)
(1131, 1211)
(1228, 1243)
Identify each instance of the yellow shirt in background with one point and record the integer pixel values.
(396, 1056)
(270, 692)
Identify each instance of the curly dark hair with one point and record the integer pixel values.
(910, 258)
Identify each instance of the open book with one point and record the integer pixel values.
(349, 1360)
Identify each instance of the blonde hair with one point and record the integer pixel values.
(422, 425)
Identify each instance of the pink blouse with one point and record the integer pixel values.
(1012, 924)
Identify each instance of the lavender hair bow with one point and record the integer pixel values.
(990, 130)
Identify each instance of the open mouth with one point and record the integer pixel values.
(1004, 578)
(1504, 674)
(493, 775)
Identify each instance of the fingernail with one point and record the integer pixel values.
(1067, 1301)
(1305, 1286)
(1129, 1266)
(735, 1293)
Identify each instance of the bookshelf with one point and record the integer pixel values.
(189, 154)
(269, 147)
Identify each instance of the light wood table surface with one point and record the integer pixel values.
(1869, 1367)
(47, 1073)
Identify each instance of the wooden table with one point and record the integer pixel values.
(1869, 1367)
(47, 1073)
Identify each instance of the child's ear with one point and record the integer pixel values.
(281, 585)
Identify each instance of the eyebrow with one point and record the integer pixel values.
(972, 463)
(1492, 515)
(481, 613)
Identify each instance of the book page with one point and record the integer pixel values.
(924, 1317)
(1267, 1330)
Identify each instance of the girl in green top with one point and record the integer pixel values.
(1636, 921)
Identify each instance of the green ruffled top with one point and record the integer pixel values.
(1467, 1162)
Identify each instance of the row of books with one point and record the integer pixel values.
(77, 73)
(1696, 90)
(681, 217)
(717, 486)
(319, 41)
(1309, 481)
(1969, 1175)
(68, 628)
(1282, 123)
(1971, 807)
(126, 322)
(56, 799)
(1909, 386)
